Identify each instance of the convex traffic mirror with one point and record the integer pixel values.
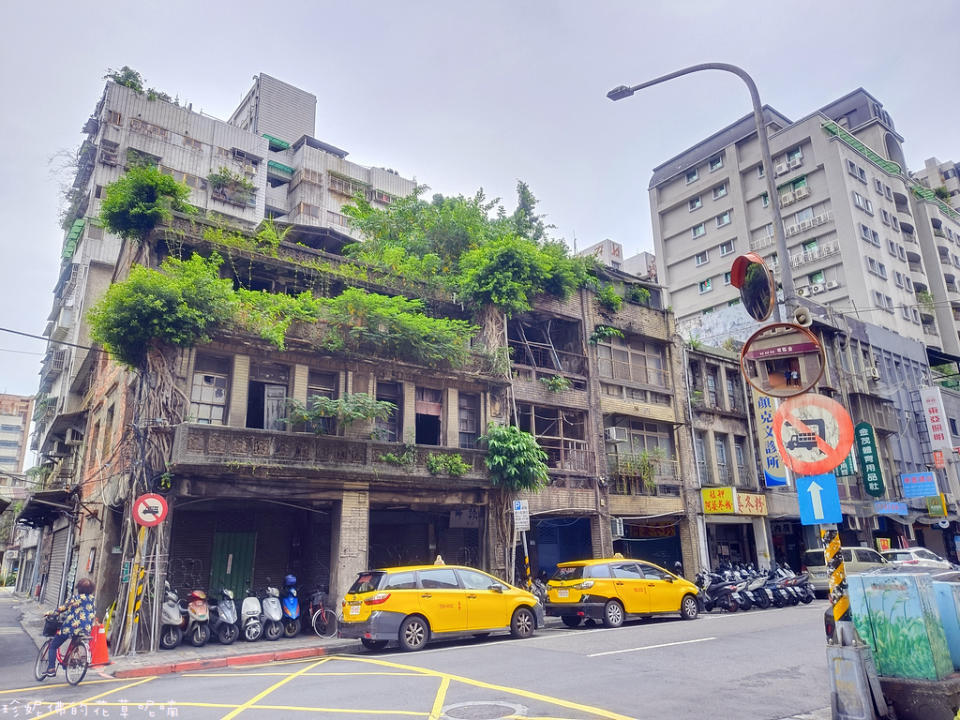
(758, 289)
(782, 360)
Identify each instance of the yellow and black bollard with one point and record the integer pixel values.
(839, 600)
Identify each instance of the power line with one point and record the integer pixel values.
(49, 340)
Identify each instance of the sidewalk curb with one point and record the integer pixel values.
(218, 662)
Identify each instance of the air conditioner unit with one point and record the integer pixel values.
(616, 527)
(795, 162)
(787, 198)
(616, 434)
(781, 168)
(791, 230)
(816, 288)
(832, 284)
(873, 373)
(803, 292)
(806, 225)
(852, 522)
(801, 193)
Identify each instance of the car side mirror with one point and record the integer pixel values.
(496, 588)
(669, 579)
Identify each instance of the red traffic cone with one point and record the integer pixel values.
(98, 646)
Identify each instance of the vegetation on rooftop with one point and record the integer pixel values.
(130, 78)
(142, 198)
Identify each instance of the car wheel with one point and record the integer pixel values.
(414, 633)
(523, 623)
(689, 608)
(571, 620)
(373, 644)
(612, 614)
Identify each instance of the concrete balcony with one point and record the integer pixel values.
(625, 476)
(825, 250)
(207, 451)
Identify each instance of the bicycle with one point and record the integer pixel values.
(323, 620)
(74, 661)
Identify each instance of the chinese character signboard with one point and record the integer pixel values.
(718, 500)
(918, 485)
(938, 462)
(883, 544)
(847, 467)
(774, 471)
(937, 506)
(935, 417)
(866, 444)
(886, 507)
(751, 504)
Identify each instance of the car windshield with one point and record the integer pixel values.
(366, 582)
(568, 573)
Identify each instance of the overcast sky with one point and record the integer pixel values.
(457, 95)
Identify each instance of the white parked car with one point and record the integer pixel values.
(917, 557)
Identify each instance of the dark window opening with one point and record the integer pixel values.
(267, 396)
(388, 429)
(320, 384)
(469, 420)
(429, 409)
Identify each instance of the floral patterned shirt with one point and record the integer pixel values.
(77, 615)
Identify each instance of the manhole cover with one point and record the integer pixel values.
(482, 711)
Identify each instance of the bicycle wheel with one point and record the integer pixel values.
(325, 623)
(40, 669)
(76, 663)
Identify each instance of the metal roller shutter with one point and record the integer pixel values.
(58, 553)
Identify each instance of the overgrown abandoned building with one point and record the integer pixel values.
(253, 495)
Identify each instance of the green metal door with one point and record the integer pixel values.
(231, 563)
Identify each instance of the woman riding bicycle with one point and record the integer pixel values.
(76, 620)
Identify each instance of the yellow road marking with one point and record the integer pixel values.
(57, 685)
(438, 700)
(233, 706)
(275, 686)
(500, 688)
(61, 710)
(309, 674)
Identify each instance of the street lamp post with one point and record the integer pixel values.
(783, 255)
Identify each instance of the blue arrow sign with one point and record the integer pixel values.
(819, 500)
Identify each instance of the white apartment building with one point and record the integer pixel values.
(268, 140)
(864, 237)
(937, 174)
(15, 412)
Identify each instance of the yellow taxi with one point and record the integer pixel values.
(610, 589)
(417, 603)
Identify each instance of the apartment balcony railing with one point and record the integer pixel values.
(224, 450)
(762, 242)
(569, 455)
(824, 250)
(804, 225)
(546, 357)
(626, 476)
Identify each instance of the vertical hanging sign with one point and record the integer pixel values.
(935, 418)
(866, 444)
(774, 471)
(847, 467)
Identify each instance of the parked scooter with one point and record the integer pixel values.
(250, 613)
(197, 619)
(272, 614)
(171, 619)
(716, 592)
(291, 607)
(223, 618)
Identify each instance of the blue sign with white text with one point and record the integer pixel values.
(887, 507)
(918, 485)
(819, 500)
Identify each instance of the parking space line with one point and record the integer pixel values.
(275, 686)
(651, 647)
(62, 710)
(45, 686)
(437, 709)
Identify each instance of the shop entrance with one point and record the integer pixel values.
(559, 540)
(403, 536)
(231, 562)
(658, 543)
(731, 543)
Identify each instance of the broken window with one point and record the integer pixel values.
(267, 396)
(322, 384)
(469, 420)
(208, 393)
(634, 360)
(389, 429)
(429, 410)
(560, 432)
(548, 343)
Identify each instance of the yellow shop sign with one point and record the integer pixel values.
(751, 504)
(718, 500)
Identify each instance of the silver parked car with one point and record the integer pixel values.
(917, 556)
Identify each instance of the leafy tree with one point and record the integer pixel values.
(180, 304)
(126, 76)
(140, 200)
(526, 222)
(514, 458)
(346, 410)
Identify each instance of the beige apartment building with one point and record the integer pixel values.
(865, 238)
(946, 175)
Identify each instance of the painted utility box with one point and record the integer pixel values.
(948, 603)
(897, 616)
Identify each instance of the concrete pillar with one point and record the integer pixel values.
(689, 546)
(298, 391)
(239, 382)
(761, 535)
(601, 536)
(409, 432)
(451, 418)
(349, 541)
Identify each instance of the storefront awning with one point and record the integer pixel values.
(43, 507)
